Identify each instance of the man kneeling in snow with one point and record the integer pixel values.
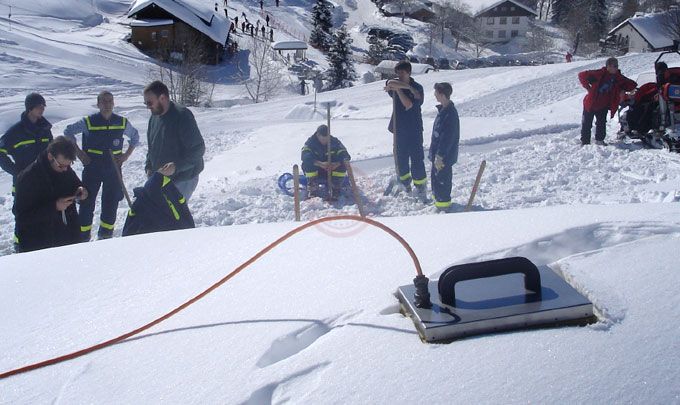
(316, 165)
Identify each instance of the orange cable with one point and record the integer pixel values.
(234, 272)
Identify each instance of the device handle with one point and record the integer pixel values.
(492, 268)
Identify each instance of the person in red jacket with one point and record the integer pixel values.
(604, 88)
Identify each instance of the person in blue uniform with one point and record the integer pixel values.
(315, 162)
(102, 156)
(407, 95)
(444, 146)
(24, 141)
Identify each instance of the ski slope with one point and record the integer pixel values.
(315, 320)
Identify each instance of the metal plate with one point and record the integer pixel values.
(495, 304)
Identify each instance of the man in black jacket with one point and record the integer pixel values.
(44, 206)
(175, 144)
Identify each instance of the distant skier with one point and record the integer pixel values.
(604, 88)
(315, 162)
(444, 146)
(407, 95)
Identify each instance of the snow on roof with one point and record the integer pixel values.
(651, 28)
(492, 5)
(150, 23)
(201, 15)
(289, 45)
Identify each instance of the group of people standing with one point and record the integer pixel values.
(46, 188)
(406, 124)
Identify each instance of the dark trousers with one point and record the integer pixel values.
(587, 124)
(411, 160)
(100, 173)
(441, 186)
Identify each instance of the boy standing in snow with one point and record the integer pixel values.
(315, 162)
(407, 97)
(604, 88)
(444, 146)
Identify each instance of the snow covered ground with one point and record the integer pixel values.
(315, 320)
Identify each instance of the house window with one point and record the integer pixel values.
(503, 20)
(503, 8)
(501, 34)
(489, 34)
(515, 20)
(153, 36)
(489, 20)
(514, 33)
(165, 33)
(512, 8)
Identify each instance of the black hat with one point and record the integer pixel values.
(322, 130)
(34, 100)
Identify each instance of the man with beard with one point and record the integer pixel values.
(175, 144)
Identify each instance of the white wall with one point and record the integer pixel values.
(636, 42)
(495, 27)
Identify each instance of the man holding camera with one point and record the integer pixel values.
(46, 190)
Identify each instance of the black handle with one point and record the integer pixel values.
(492, 268)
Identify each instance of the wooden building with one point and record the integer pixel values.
(180, 29)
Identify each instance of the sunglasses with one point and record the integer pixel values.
(62, 165)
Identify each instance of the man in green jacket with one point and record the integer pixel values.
(175, 144)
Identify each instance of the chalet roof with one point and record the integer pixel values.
(199, 14)
(151, 23)
(651, 29)
(498, 3)
(289, 45)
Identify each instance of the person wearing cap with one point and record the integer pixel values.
(316, 166)
(444, 146)
(46, 191)
(407, 96)
(102, 156)
(23, 141)
(604, 86)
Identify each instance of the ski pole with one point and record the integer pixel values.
(476, 186)
(119, 174)
(329, 174)
(296, 191)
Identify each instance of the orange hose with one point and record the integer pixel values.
(226, 278)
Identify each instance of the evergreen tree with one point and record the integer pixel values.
(321, 36)
(376, 50)
(560, 10)
(341, 72)
(596, 20)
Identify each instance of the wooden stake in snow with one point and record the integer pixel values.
(476, 186)
(355, 190)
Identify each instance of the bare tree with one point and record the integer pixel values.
(538, 38)
(264, 79)
(671, 23)
(185, 74)
(404, 5)
(477, 38)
